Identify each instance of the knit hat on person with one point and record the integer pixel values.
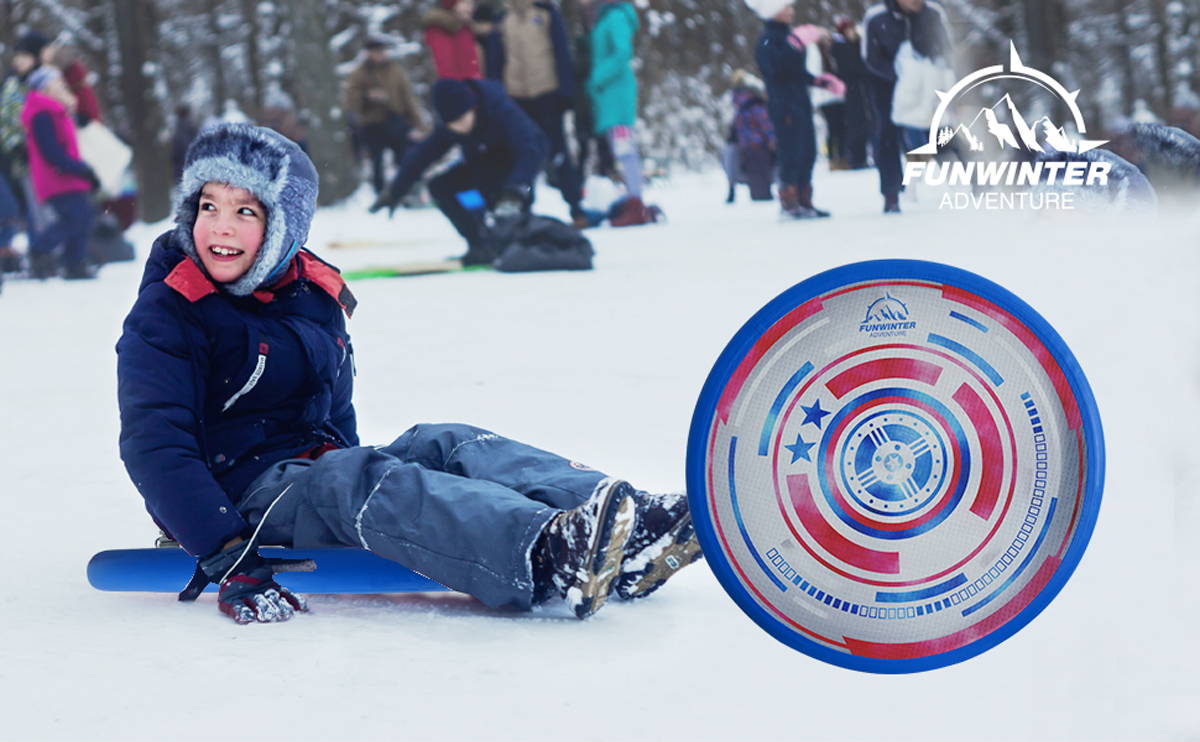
(452, 98)
(32, 43)
(448, 4)
(768, 9)
(42, 76)
(268, 165)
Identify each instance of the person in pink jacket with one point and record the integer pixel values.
(60, 178)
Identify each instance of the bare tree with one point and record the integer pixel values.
(317, 100)
(137, 38)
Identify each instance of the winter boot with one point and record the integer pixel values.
(78, 272)
(43, 265)
(10, 260)
(790, 206)
(732, 192)
(480, 251)
(806, 201)
(578, 556)
(663, 542)
(891, 203)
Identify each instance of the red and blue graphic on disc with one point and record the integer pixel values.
(895, 465)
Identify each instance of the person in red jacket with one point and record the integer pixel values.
(87, 107)
(450, 34)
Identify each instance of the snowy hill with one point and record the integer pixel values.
(604, 367)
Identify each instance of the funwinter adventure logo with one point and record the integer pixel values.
(887, 316)
(1009, 160)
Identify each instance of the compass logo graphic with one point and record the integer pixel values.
(1035, 161)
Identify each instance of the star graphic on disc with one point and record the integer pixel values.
(799, 449)
(813, 414)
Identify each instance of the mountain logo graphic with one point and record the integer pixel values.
(887, 308)
(1002, 126)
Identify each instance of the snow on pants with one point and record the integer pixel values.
(456, 503)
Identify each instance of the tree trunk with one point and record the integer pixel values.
(220, 92)
(253, 57)
(1162, 55)
(1123, 48)
(137, 39)
(317, 100)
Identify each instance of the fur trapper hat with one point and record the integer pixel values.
(270, 166)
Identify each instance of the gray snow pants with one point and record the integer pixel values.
(456, 503)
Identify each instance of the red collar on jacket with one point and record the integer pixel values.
(191, 283)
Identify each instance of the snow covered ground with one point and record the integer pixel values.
(605, 367)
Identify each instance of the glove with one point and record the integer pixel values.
(511, 204)
(248, 591)
(831, 83)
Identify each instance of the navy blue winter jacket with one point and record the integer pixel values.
(886, 27)
(214, 388)
(785, 73)
(504, 136)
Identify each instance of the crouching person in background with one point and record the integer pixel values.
(502, 150)
(60, 178)
(235, 374)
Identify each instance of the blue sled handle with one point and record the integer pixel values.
(339, 570)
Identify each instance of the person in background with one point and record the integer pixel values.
(831, 106)
(60, 178)
(380, 97)
(586, 138)
(14, 158)
(752, 138)
(886, 27)
(502, 152)
(279, 113)
(450, 35)
(782, 60)
(539, 76)
(87, 107)
(612, 86)
(485, 26)
(846, 52)
(28, 54)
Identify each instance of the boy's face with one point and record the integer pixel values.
(228, 231)
(787, 15)
(911, 6)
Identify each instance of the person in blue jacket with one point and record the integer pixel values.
(235, 377)
(502, 153)
(782, 61)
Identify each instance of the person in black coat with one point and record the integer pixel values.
(782, 61)
(235, 374)
(502, 151)
(848, 63)
(885, 27)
